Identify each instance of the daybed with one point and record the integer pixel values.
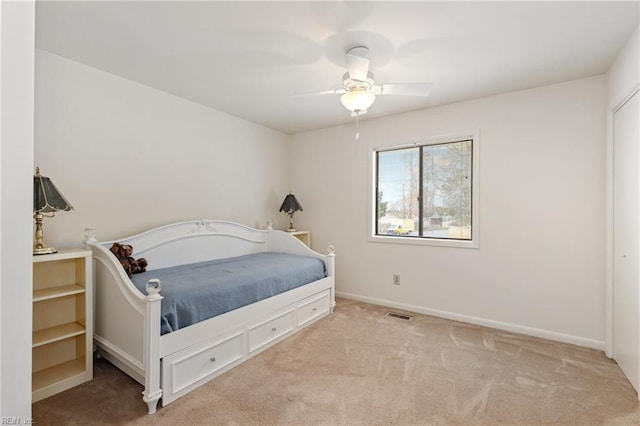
(169, 365)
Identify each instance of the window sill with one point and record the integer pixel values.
(472, 244)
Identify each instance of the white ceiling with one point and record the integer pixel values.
(249, 58)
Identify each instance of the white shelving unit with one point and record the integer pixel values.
(62, 339)
(304, 236)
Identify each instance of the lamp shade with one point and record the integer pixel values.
(290, 204)
(46, 197)
(357, 100)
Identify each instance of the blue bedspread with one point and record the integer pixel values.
(198, 291)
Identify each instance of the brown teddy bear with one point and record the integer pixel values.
(131, 266)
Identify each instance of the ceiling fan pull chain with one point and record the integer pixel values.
(357, 137)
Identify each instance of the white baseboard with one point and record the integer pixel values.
(514, 328)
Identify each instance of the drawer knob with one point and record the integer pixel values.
(212, 359)
(273, 329)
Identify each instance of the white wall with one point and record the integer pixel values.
(624, 74)
(129, 157)
(540, 265)
(17, 23)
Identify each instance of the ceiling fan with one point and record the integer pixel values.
(359, 89)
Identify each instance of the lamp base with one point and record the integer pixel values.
(38, 246)
(44, 250)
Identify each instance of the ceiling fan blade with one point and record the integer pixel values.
(358, 63)
(406, 89)
(324, 92)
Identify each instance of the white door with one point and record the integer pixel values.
(626, 235)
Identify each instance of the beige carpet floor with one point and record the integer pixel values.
(360, 367)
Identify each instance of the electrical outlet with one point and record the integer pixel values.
(396, 279)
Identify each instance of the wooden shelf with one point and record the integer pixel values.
(58, 373)
(54, 292)
(62, 336)
(60, 332)
(61, 255)
(304, 236)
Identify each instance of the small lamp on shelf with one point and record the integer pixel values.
(46, 199)
(290, 205)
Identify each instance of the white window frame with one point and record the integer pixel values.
(475, 197)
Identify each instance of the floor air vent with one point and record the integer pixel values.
(399, 315)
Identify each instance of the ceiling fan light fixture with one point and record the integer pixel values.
(357, 100)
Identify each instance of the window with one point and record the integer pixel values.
(426, 193)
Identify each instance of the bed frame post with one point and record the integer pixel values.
(331, 271)
(152, 391)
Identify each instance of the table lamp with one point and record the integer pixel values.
(46, 199)
(290, 205)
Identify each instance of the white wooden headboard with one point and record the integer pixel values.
(194, 241)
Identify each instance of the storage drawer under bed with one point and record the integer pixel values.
(187, 369)
(305, 312)
(313, 307)
(268, 331)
